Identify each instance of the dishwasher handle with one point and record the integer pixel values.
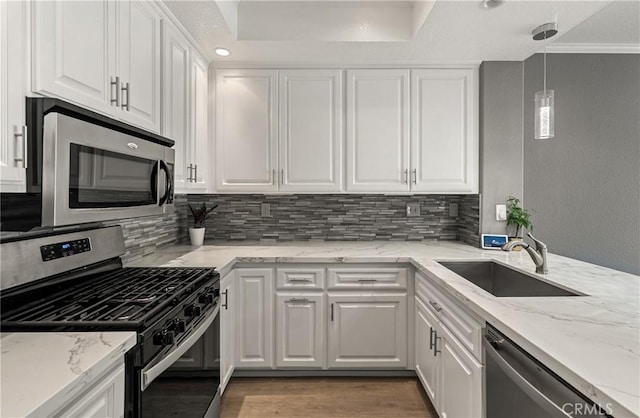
(551, 408)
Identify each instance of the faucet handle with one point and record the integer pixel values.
(539, 244)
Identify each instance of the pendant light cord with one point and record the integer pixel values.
(544, 54)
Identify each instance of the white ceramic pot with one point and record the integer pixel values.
(197, 236)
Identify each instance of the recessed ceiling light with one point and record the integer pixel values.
(491, 4)
(223, 52)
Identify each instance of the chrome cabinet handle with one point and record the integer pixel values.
(406, 176)
(332, 312)
(190, 170)
(126, 89)
(225, 304)
(21, 134)
(437, 307)
(435, 344)
(367, 280)
(115, 82)
(431, 332)
(282, 176)
(273, 176)
(195, 173)
(300, 280)
(294, 300)
(415, 175)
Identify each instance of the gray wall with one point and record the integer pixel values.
(501, 157)
(583, 186)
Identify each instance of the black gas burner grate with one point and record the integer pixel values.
(124, 299)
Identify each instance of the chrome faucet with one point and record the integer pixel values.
(538, 254)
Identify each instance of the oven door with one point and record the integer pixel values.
(167, 392)
(92, 173)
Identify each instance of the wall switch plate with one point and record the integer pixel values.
(453, 210)
(501, 212)
(413, 209)
(265, 209)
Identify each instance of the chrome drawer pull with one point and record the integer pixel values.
(298, 300)
(367, 280)
(435, 306)
(300, 280)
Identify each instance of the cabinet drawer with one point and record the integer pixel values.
(300, 278)
(368, 277)
(463, 324)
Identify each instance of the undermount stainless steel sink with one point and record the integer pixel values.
(503, 281)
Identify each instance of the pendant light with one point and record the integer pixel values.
(544, 99)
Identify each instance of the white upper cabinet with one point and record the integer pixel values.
(378, 130)
(185, 103)
(13, 70)
(246, 130)
(139, 63)
(444, 131)
(102, 55)
(199, 134)
(175, 93)
(310, 130)
(74, 52)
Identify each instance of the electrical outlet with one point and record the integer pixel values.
(413, 209)
(501, 212)
(453, 210)
(265, 209)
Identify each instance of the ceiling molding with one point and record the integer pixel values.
(218, 64)
(583, 48)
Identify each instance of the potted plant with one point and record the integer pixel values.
(518, 217)
(200, 214)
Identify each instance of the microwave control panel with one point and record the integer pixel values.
(64, 249)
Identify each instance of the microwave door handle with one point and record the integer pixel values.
(154, 182)
(167, 185)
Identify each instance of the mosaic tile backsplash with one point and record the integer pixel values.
(334, 217)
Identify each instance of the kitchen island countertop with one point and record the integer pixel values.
(42, 372)
(592, 341)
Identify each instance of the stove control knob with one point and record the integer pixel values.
(206, 298)
(192, 310)
(164, 338)
(216, 293)
(180, 325)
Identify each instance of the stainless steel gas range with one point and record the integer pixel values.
(75, 281)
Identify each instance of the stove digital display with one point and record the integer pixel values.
(64, 249)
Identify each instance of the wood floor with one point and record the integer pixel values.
(325, 397)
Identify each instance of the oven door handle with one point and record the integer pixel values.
(551, 409)
(154, 369)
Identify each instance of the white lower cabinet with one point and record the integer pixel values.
(227, 329)
(367, 330)
(104, 399)
(300, 328)
(450, 374)
(254, 321)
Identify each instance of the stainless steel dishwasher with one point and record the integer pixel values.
(517, 385)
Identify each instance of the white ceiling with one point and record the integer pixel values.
(400, 32)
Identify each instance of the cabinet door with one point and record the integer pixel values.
(460, 379)
(444, 139)
(175, 120)
(377, 130)
(13, 73)
(254, 321)
(139, 64)
(368, 331)
(246, 130)
(310, 130)
(426, 362)
(198, 141)
(227, 329)
(105, 399)
(300, 323)
(74, 49)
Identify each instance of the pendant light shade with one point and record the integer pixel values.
(544, 120)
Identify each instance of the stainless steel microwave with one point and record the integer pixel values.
(83, 167)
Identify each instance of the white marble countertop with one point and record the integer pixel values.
(593, 341)
(42, 371)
